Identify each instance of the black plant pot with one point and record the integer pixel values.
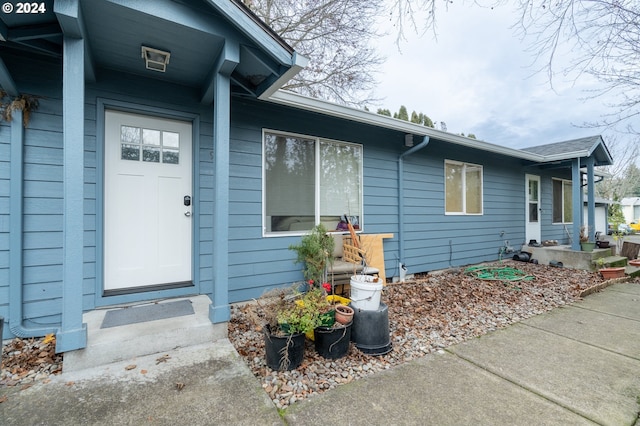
(332, 343)
(283, 352)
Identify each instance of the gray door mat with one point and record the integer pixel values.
(156, 311)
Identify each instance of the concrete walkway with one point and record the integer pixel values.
(574, 365)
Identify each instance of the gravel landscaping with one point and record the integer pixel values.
(432, 312)
(427, 314)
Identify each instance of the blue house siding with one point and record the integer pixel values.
(257, 263)
(52, 260)
(434, 240)
(42, 205)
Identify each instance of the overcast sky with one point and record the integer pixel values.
(477, 78)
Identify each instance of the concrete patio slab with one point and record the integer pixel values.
(598, 384)
(609, 301)
(606, 331)
(439, 389)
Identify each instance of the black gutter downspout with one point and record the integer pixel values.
(16, 234)
(418, 147)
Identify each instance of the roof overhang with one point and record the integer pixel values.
(319, 106)
(201, 35)
(295, 100)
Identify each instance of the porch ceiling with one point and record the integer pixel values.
(193, 31)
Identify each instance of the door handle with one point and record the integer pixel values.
(187, 213)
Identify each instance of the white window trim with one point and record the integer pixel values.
(464, 187)
(317, 215)
(552, 200)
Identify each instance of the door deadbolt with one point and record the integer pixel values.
(187, 200)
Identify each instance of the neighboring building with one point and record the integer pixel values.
(137, 180)
(601, 215)
(631, 209)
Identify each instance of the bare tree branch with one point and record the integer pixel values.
(336, 36)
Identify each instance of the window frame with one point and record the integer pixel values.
(317, 140)
(563, 182)
(464, 165)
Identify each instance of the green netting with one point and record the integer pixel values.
(498, 273)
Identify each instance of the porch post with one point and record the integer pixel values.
(591, 203)
(72, 333)
(576, 201)
(219, 310)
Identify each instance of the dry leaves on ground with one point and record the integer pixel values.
(425, 315)
(27, 360)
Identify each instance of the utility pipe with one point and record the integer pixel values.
(16, 233)
(416, 148)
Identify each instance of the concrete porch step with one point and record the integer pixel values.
(114, 344)
(632, 271)
(612, 261)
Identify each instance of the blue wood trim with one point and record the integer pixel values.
(73, 333)
(576, 199)
(219, 310)
(70, 18)
(591, 204)
(252, 30)
(6, 82)
(226, 62)
(182, 14)
(126, 106)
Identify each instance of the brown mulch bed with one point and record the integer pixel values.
(428, 314)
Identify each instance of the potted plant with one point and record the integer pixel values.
(344, 314)
(284, 324)
(608, 272)
(316, 252)
(585, 244)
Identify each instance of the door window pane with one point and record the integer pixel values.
(151, 137)
(130, 152)
(150, 154)
(170, 139)
(130, 134)
(170, 156)
(154, 145)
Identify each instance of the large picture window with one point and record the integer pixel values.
(463, 188)
(309, 181)
(562, 201)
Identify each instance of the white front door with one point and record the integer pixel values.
(532, 209)
(147, 222)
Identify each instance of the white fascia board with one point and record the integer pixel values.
(298, 62)
(566, 156)
(295, 100)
